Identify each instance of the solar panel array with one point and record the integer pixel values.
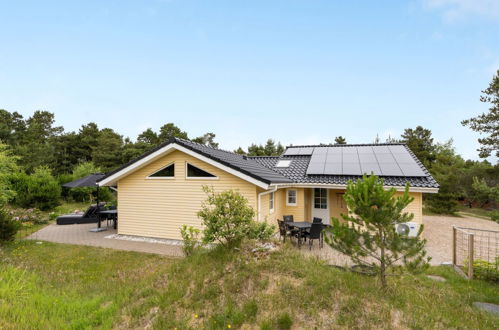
(299, 151)
(392, 160)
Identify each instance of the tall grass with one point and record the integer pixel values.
(63, 286)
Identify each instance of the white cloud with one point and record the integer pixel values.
(453, 10)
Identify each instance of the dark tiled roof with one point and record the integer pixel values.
(263, 168)
(297, 171)
(235, 161)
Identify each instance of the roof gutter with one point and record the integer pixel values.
(343, 186)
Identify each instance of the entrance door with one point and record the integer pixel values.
(320, 205)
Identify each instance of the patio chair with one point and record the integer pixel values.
(292, 231)
(317, 220)
(283, 230)
(314, 233)
(90, 216)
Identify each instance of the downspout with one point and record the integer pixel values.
(260, 200)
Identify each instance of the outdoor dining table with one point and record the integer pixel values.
(113, 214)
(302, 226)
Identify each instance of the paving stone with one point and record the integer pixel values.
(436, 278)
(487, 307)
(81, 235)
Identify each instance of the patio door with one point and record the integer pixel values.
(320, 205)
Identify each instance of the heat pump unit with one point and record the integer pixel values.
(410, 229)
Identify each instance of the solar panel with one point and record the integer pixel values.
(411, 169)
(351, 169)
(302, 151)
(305, 151)
(368, 168)
(390, 169)
(292, 151)
(393, 160)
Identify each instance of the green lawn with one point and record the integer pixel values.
(64, 286)
(475, 211)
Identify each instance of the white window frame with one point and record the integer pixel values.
(187, 177)
(271, 202)
(149, 177)
(287, 197)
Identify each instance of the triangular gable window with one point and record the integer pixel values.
(165, 172)
(195, 172)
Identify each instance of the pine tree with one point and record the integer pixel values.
(488, 123)
(340, 140)
(368, 236)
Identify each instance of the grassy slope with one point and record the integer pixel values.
(60, 286)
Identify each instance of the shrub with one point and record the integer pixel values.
(261, 231)
(190, 236)
(495, 216)
(28, 215)
(484, 270)
(8, 226)
(228, 219)
(284, 322)
(442, 203)
(40, 189)
(368, 236)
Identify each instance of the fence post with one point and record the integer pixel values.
(471, 239)
(454, 248)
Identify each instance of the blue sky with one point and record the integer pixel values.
(300, 72)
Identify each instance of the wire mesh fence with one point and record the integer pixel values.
(476, 252)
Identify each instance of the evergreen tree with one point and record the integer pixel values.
(207, 139)
(420, 142)
(168, 131)
(368, 235)
(488, 123)
(240, 151)
(108, 154)
(340, 140)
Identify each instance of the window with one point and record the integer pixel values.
(283, 163)
(195, 172)
(167, 172)
(291, 197)
(271, 202)
(320, 198)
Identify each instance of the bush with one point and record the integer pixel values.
(495, 216)
(228, 219)
(261, 231)
(484, 270)
(33, 216)
(190, 236)
(40, 189)
(8, 226)
(442, 203)
(284, 322)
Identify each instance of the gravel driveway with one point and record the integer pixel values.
(438, 233)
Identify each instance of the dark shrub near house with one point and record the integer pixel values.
(40, 189)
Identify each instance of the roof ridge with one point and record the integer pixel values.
(347, 145)
(206, 146)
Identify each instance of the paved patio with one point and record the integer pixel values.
(438, 232)
(80, 235)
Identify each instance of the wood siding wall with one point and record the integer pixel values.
(159, 207)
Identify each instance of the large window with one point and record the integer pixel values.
(291, 198)
(167, 172)
(320, 198)
(271, 202)
(197, 173)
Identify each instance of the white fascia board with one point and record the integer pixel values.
(344, 186)
(168, 148)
